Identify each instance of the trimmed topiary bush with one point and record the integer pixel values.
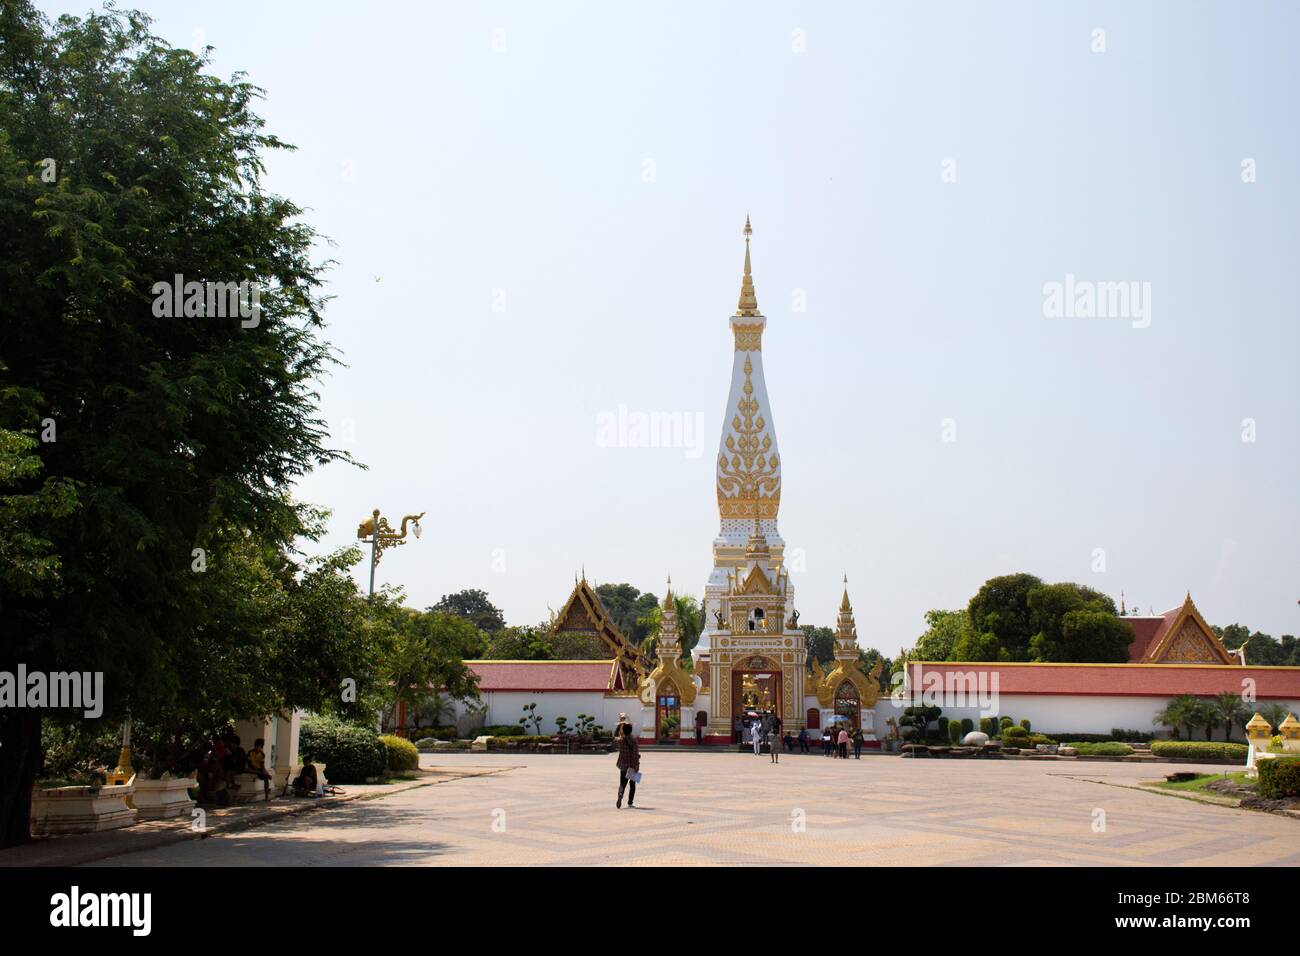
(1279, 778)
(1025, 724)
(1199, 749)
(989, 725)
(1010, 731)
(1005, 722)
(967, 725)
(401, 754)
(954, 732)
(1092, 749)
(350, 753)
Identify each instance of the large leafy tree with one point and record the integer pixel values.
(1263, 650)
(1001, 608)
(820, 642)
(424, 653)
(943, 628)
(473, 605)
(629, 609)
(124, 164)
(1077, 623)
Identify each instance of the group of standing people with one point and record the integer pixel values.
(835, 742)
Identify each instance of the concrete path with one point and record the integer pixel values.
(729, 808)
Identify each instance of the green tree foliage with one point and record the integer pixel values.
(473, 605)
(1180, 714)
(820, 642)
(943, 629)
(520, 644)
(1076, 623)
(1001, 608)
(690, 623)
(423, 653)
(867, 658)
(627, 606)
(976, 646)
(1263, 650)
(177, 434)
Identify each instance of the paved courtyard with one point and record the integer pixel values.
(728, 808)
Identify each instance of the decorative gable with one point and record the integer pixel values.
(1188, 640)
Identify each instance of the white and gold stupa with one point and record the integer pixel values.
(750, 648)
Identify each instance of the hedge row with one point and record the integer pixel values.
(351, 753)
(1199, 749)
(1106, 748)
(1279, 778)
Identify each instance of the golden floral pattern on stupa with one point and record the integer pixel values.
(749, 479)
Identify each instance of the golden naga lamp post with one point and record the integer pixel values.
(379, 534)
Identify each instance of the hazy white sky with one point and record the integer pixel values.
(536, 211)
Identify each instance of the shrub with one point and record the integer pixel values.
(954, 731)
(1106, 749)
(1005, 722)
(967, 725)
(1012, 731)
(943, 728)
(1279, 778)
(503, 730)
(1025, 724)
(350, 753)
(1131, 736)
(426, 744)
(1199, 749)
(989, 725)
(400, 753)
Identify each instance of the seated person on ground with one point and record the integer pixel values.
(305, 784)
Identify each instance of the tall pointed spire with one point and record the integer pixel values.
(748, 304)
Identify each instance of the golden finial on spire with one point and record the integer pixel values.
(748, 304)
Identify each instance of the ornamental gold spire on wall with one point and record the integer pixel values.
(748, 304)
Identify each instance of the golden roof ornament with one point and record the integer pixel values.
(748, 304)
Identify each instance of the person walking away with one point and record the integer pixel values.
(844, 744)
(774, 745)
(857, 743)
(803, 740)
(629, 758)
(826, 741)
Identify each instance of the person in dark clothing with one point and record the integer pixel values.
(803, 740)
(629, 758)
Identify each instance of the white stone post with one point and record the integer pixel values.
(286, 747)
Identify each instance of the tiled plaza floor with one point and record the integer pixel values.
(728, 808)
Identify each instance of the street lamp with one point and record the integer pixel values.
(379, 534)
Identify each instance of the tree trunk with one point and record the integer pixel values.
(20, 760)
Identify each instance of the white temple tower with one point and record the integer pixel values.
(751, 649)
(748, 473)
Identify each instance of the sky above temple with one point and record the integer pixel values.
(536, 214)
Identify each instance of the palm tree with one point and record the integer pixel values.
(1204, 714)
(1274, 713)
(1230, 710)
(1179, 712)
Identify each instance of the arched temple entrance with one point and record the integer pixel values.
(668, 707)
(848, 703)
(756, 688)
